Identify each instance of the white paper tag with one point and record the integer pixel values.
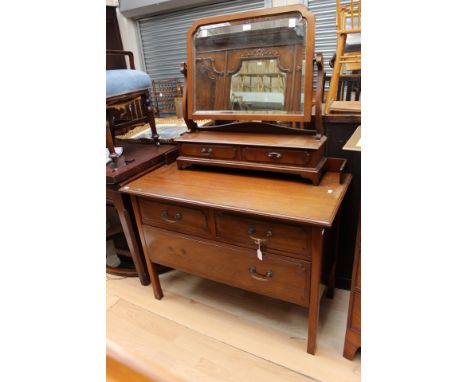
(259, 254)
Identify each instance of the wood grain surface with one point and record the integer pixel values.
(231, 265)
(271, 195)
(206, 331)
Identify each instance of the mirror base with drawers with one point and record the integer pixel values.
(293, 154)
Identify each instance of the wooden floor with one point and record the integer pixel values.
(205, 331)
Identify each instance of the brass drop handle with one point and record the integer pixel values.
(165, 216)
(257, 240)
(258, 276)
(274, 155)
(206, 151)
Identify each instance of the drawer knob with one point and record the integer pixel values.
(274, 155)
(258, 276)
(206, 151)
(165, 216)
(258, 240)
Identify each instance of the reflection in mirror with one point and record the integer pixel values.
(251, 66)
(259, 85)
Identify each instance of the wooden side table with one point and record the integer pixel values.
(353, 326)
(137, 160)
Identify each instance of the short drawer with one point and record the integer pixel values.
(174, 217)
(274, 156)
(208, 150)
(275, 276)
(273, 236)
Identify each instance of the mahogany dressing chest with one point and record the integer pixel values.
(252, 199)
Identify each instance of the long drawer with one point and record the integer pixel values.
(275, 276)
(245, 231)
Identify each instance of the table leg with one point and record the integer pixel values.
(314, 302)
(332, 275)
(150, 115)
(350, 348)
(152, 270)
(130, 235)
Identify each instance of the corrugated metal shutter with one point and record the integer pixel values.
(163, 37)
(325, 29)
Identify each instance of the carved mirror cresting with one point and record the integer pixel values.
(252, 66)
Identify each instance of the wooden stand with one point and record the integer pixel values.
(142, 158)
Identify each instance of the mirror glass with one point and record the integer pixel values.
(251, 66)
(258, 85)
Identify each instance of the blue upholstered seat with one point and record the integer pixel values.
(122, 81)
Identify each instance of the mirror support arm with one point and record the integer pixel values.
(191, 124)
(319, 95)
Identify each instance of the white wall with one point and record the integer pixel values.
(128, 33)
(130, 38)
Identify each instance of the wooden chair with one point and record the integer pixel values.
(348, 57)
(128, 101)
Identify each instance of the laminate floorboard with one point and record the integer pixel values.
(206, 331)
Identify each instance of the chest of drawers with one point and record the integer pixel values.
(258, 233)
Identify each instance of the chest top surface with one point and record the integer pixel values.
(282, 197)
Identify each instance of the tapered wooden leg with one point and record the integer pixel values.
(130, 235)
(351, 346)
(180, 165)
(314, 302)
(332, 275)
(152, 270)
(150, 114)
(110, 144)
(157, 290)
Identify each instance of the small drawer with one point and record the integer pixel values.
(174, 217)
(273, 236)
(274, 156)
(208, 150)
(275, 276)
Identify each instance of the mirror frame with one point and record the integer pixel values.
(306, 115)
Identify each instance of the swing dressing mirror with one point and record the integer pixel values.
(255, 65)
